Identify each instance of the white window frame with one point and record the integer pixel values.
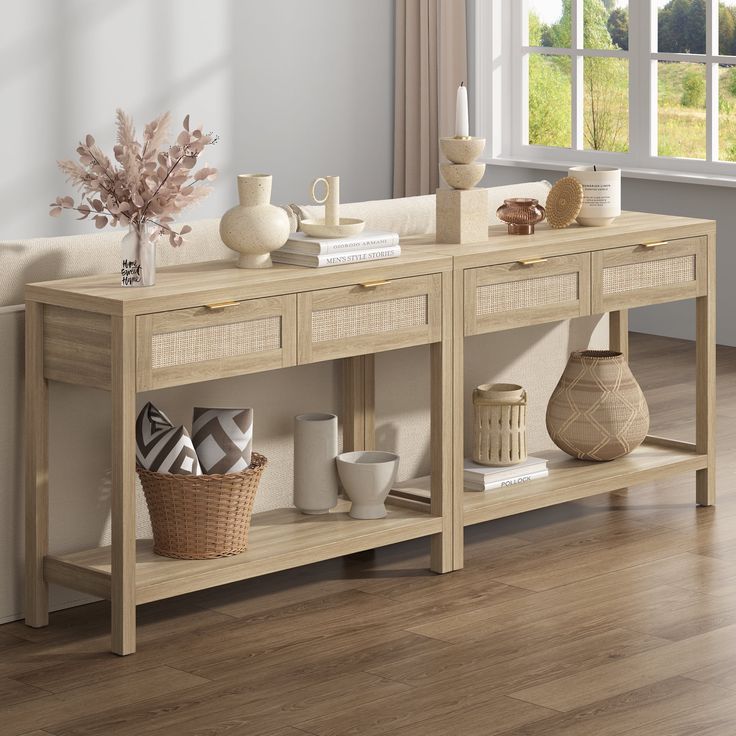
(501, 108)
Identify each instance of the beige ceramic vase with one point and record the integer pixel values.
(255, 227)
(598, 410)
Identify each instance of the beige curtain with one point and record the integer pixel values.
(431, 61)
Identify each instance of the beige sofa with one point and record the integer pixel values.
(79, 417)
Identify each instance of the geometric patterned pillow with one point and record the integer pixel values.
(162, 447)
(223, 439)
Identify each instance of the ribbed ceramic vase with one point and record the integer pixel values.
(254, 227)
(597, 410)
(315, 473)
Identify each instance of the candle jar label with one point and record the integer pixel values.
(601, 194)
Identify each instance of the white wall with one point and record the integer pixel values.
(298, 89)
(676, 319)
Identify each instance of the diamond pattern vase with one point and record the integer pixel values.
(597, 410)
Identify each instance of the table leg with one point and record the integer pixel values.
(619, 332)
(358, 403)
(705, 394)
(36, 469)
(442, 425)
(123, 485)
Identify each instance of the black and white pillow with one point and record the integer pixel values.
(162, 447)
(223, 439)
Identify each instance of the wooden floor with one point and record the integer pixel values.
(616, 615)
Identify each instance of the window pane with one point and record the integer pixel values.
(606, 24)
(606, 100)
(727, 27)
(550, 100)
(681, 109)
(681, 25)
(727, 113)
(549, 23)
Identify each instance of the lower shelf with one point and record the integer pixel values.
(278, 540)
(571, 479)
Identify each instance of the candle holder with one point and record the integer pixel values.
(462, 210)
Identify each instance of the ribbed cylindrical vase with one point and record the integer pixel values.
(597, 410)
(315, 472)
(499, 424)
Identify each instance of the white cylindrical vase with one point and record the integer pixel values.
(315, 473)
(601, 194)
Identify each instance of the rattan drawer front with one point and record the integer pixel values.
(648, 274)
(526, 292)
(369, 318)
(204, 343)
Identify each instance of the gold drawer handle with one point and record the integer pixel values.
(654, 245)
(374, 284)
(220, 305)
(532, 261)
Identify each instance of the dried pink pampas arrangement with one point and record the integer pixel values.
(151, 182)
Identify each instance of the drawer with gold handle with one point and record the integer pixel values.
(525, 292)
(369, 317)
(219, 339)
(648, 273)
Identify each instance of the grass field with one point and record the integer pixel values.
(681, 120)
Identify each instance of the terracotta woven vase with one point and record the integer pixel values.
(597, 410)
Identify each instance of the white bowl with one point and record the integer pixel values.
(367, 477)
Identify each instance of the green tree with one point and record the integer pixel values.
(618, 27)
(693, 90)
(681, 27)
(726, 29)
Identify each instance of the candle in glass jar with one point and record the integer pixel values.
(461, 112)
(601, 194)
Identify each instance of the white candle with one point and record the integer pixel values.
(461, 112)
(601, 194)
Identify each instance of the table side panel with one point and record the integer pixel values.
(76, 347)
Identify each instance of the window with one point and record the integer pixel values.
(648, 85)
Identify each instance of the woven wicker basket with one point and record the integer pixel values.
(198, 517)
(499, 424)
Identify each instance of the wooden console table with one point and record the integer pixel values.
(208, 321)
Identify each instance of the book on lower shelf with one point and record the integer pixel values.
(297, 258)
(478, 477)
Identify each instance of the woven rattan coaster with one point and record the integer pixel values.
(564, 202)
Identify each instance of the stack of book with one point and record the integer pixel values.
(484, 478)
(301, 250)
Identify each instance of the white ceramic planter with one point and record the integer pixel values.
(601, 194)
(254, 227)
(315, 475)
(367, 477)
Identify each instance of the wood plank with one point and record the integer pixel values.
(196, 284)
(123, 567)
(278, 540)
(639, 670)
(36, 469)
(441, 433)
(571, 479)
(705, 396)
(49, 711)
(76, 347)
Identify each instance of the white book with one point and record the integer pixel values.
(476, 473)
(334, 259)
(367, 240)
(506, 483)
